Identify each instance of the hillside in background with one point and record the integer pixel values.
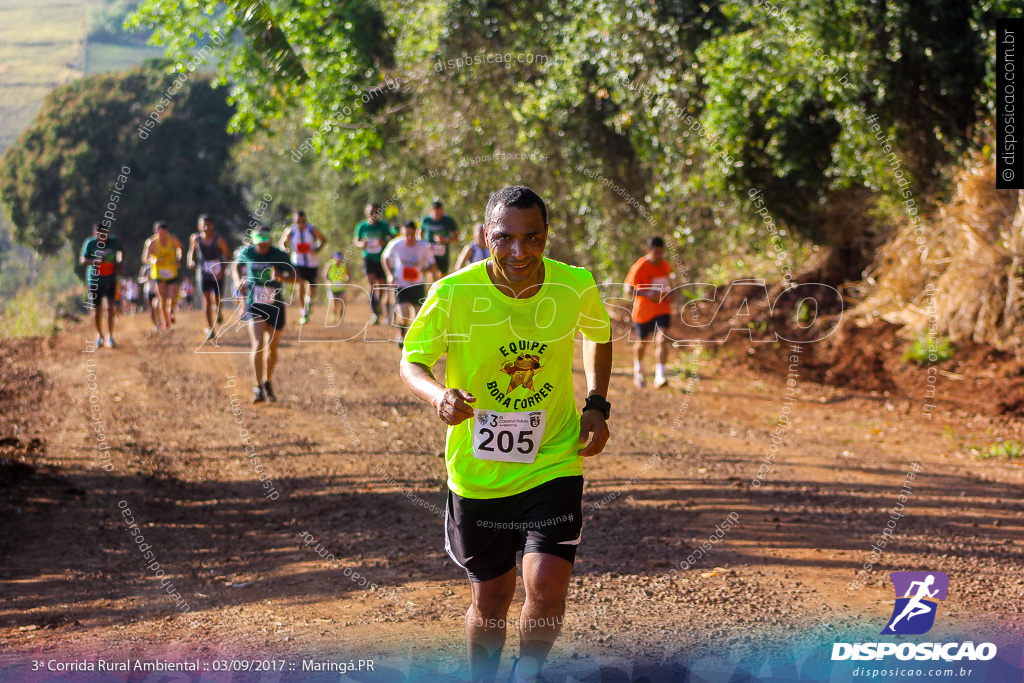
(46, 43)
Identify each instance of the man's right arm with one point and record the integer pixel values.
(452, 405)
(191, 258)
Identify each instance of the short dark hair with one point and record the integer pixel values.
(300, 213)
(160, 224)
(410, 224)
(98, 227)
(514, 196)
(206, 217)
(655, 243)
(437, 204)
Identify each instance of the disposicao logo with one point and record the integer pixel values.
(914, 612)
(917, 596)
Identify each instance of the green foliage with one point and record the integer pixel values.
(926, 351)
(59, 177)
(653, 116)
(321, 59)
(1013, 450)
(36, 294)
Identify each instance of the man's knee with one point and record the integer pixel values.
(493, 602)
(546, 593)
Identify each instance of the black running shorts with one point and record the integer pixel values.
(482, 535)
(374, 268)
(645, 330)
(412, 294)
(272, 314)
(102, 288)
(307, 273)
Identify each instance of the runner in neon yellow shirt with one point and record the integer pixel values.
(508, 326)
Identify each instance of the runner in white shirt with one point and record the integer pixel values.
(302, 241)
(406, 261)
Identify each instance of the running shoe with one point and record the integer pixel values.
(638, 380)
(210, 334)
(269, 392)
(374, 320)
(304, 319)
(220, 318)
(99, 341)
(110, 341)
(660, 381)
(257, 395)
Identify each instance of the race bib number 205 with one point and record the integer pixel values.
(508, 437)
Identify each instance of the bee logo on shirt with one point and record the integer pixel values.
(521, 371)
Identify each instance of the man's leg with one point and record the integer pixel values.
(97, 311)
(661, 347)
(209, 305)
(161, 304)
(111, 311)
(256, 330)
(485, 624)
(547, 579)
(335, 309)
(172, 300)
(639, 348)
(660, 355)
(273, 337)
(374, 294)
(307, 298)
(404, 313)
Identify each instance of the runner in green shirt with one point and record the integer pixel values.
(507, 326)
(439, 231)
(102, 254)
(260, 269)
(372, 235)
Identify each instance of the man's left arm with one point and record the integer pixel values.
(597, 364)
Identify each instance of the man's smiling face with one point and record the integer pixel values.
(517, 238)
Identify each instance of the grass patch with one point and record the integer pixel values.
(38, 294)
(1014, 450)
(923, 353)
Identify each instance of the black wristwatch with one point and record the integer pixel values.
(596, 402)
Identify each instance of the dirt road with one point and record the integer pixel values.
(355, 462)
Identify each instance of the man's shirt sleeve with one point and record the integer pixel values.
(427, 340)
(594, 322)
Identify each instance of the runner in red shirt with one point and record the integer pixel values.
(648, 284)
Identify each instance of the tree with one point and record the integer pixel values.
(165, 136)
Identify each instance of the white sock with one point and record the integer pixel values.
(638, 369)
(659, 369)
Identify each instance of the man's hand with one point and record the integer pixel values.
(593, 425)
(453, 406)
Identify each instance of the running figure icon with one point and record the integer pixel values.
(916, 607)
(917, 598)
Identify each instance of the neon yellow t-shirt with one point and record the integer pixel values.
(515, 356)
